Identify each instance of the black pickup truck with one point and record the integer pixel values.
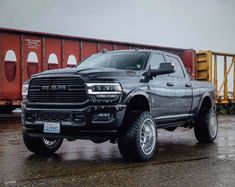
(120, 96)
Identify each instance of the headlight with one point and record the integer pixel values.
(25, 89)
(104, 88)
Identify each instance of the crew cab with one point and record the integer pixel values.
(121, 96)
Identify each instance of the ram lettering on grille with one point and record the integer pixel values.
(57, 90)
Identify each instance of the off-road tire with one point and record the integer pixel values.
(37, 145)
(202, 128)
(129, 141)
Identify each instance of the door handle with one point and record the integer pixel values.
(187, 85)
(169, 84)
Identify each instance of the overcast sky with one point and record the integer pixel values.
(197, 24)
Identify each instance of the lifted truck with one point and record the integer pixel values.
(121, 96)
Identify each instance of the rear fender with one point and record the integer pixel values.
(204, 95)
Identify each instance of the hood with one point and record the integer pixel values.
(91, 72)
(57, 71)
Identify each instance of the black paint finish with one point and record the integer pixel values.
(172, 100)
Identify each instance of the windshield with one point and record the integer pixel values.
(117, 60)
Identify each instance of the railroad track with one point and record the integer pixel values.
(10, 118)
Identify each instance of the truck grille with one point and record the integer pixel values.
(57, 90)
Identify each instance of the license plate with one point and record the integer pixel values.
(51, 127)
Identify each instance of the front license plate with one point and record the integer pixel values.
(51, 127)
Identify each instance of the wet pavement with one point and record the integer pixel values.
(179, 161)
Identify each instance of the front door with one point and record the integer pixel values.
(183, 89)
(161, 90)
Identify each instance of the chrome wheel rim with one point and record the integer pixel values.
(147, 136)
(213, 125)
(48, 142)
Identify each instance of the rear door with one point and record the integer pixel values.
(183, 89)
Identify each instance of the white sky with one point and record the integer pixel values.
(197, 24)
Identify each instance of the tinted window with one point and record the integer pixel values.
(156, 60)
(117, 60)
(178, 69)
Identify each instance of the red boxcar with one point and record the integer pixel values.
(23, 53)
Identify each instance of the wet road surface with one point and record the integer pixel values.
(179, 161)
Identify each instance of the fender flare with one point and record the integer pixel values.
(204, 95)
(134, 93)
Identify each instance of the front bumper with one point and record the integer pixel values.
(75, 123)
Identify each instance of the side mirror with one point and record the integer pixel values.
(164, 68)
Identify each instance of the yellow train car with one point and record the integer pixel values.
(218, 68)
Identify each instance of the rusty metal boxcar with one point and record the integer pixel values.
(23, 53)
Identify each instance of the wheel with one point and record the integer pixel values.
(231, 109)
(42, 146)
(138, 140)
(206, 127)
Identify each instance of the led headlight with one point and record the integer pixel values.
(104, 88)
(25, 89)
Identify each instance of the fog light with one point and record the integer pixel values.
(102, 117)
(31, 117)
(78, 119)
